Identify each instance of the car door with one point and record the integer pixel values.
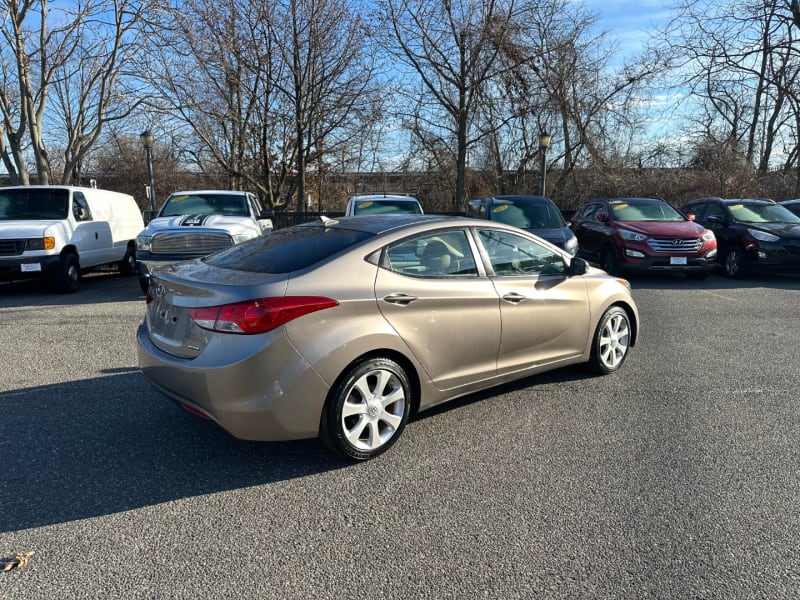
(442, 306)
(91, 237)
(544, 313)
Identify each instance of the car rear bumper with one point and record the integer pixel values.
(268, 396)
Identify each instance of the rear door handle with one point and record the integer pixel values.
(401, 299)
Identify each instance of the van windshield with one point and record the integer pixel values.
(33, 203)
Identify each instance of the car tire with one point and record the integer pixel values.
(609, 261)
(127, 266)
(367, 409)
(68, 276)
(611, 341)
(735, 264)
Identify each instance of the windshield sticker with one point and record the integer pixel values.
(178, 198)
(500, 208)
(620, 206)
(737, 206)
(366, 204)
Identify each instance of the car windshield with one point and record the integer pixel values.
(234, 205)
(33, 203)
(644, 210)
(387, 207)
(289, 249)
(527, 215)
(758, 212)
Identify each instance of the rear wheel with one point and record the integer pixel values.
(735, 264)
(68, 277)
(611, 341)
(367, 410)
(127, 266)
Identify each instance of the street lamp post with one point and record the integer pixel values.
(147, 142)
(544, 143)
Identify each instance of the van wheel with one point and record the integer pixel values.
(367, 410)
(68, 276)
(127, 266)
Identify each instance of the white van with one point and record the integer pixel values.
(60, 231)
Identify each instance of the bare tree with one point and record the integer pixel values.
(453, 48)
(79, 64)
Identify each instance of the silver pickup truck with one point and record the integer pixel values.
(192, 224)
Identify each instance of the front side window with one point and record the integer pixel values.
(80, 208)
(434, 255)
(511, 254)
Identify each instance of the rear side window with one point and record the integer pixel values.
(289, 249)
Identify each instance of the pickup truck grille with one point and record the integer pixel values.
(190, 243)
(675, 244)
(12, 247)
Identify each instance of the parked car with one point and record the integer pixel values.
(59, 231)
(382, 204)
(537, 214)
(191, 224)
(643, 235)
(343, 328)
(752, 233)
(792, 205)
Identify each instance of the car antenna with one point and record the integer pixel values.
(327, 220)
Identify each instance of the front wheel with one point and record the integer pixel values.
(127, 266)
(735, 264)
(609, 261)
(68, 276)
(367, 410)
(611, 341)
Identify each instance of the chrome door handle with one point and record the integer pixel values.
(514, 298)
(401, 299)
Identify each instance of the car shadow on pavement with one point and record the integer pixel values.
(99, 446)
(677, 281)
(105, 286)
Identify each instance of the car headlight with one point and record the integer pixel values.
(632, 236)
(143, 242)
(241, 237)
(709, 236)
(571, 245)
(43, 243)
(763, 236)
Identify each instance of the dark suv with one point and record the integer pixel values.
(537, 214)
(643, 234)
(751, 233)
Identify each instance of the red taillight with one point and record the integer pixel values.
(259, 315)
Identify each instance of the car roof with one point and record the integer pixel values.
(184, 192)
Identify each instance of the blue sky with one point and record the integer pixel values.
(628, 21)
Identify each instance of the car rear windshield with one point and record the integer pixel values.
(387, 207)
(644, 210)
(289, 249)
(34, 203)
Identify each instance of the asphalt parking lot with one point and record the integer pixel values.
(676, 477)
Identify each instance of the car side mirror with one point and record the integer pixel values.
(716, 220)
(602, 217)
(266, 214)
(577, 266)
(147, 215)
(690, 217)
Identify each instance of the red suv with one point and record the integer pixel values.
(643, 234)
